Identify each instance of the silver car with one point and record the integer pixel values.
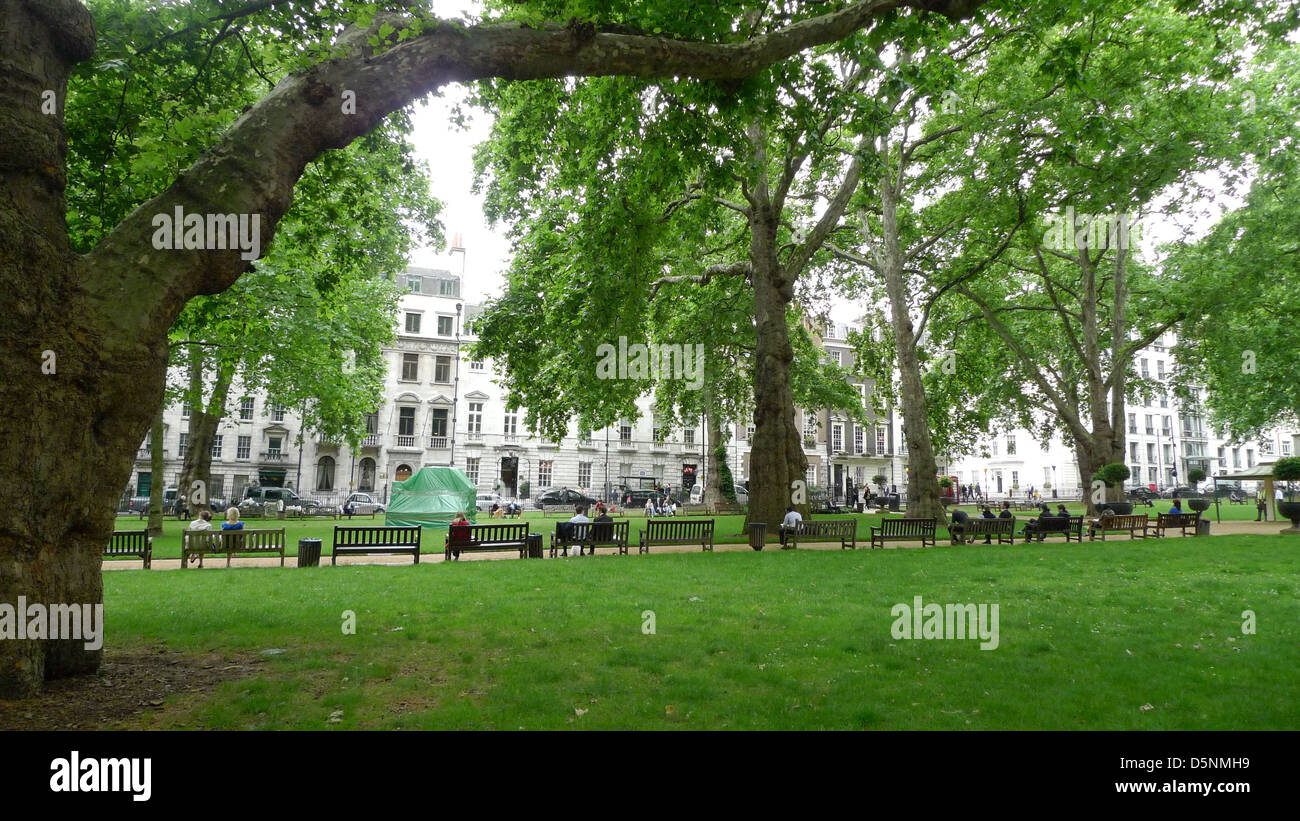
(363, 503)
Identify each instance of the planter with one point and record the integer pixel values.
(947, 500)
(1198, 505)
(1290, 510)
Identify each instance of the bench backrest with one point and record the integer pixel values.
(127, 541)
(228, 541)
(492, 534)
(834, 527)
(597, 532)
(983, 525)
(907, 527)
(393, 536)
(1177, 519)
(679, 529)
(1124, 522)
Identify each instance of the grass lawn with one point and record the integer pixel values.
(727, 529)
(1114, 635)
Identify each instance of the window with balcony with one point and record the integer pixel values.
(406, 427)
(688, 436)
(1146, 371)
(442, 370)
(410, 367)
(510, 426)
(273, 447)
(475, 421)
(1132, 423)
(246, 409)
(244, 447)
(1151, 453)
(624, 431)
(412, 322)
(1151, 425)
(809, 429)
(438, 428)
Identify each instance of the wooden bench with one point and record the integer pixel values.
(844, 531)
(1004, 529)
(1134, 523)
(488, 538)
(200, 543)
(359, 541)
(673, 531)
(903, 530)
(590, 536)
(1069, 526)
(131, 543)
(1169, 521)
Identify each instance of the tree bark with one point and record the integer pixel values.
(204, 419)
(85, 337)
(157, 488)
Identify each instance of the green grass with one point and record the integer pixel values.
(727, 529)
(1089, 634)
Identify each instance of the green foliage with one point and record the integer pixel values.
(1196, 476)
(1287, 469)
(1112, 475)
(724, 473)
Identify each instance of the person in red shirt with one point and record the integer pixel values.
(458, 531)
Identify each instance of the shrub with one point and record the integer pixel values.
(523, 491)
(945, 482)
(1196, 476)
(724, 473)
(1112, 475)
(1287, 470)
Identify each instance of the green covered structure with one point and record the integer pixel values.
(431, 498)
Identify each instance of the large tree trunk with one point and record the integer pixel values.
(196, 474)
(776, 460)
(922, 469)
(156, 487)
(713, 437)
(77, 397)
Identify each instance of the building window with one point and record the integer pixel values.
(688, 436)
(442, 370)
(1132, 423)
(412, 323)
(994, 446)
(476, 365)
(811, 476)
(475, 417)
(411, 367)
(277, 413)
(471, 470)
(413, 284)
(406, 421)
(273, 447)
(1151, 453)
(448, 286)
(402, 473)
(184, 445)
(749, 431)
(325, 473)
(444, 326)
(1153, 476)
(246, 408)
(216, 447)
(439, 423)
(658, 433)
(624, 431)
(1250, 457)
(882, 441)
(809, 427)
(1160, 369)
(1167, 452)
(1146, 371)
(367, 482)
(1011, 446)
(657, 471)
(1151, 425)
(859, 439)
(244, 447)
(1286, 448)
(185, 410)
(510, 425)
(1133, 451)
(837, 437)
(1266, 448)
(584, 474)
(544, 473)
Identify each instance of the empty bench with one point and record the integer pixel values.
(589, 536)
(894, 530)
(200, 543)
(1069, 526)
(363, 541)
(844, 531)
(1004, 529)
(131, 543)
(665, 532)
(1134, 523)
(487, 538)
(1182, 521)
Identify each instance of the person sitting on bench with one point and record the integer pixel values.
(790, 523)
(457, 531)
(1035, 526)
(1177, 507)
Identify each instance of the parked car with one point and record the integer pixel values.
(742, 493)
(257, 495)
(364, 503)
(1140, 494)
(561, 496)
(1180, 492)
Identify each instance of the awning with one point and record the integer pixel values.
(1264, 470)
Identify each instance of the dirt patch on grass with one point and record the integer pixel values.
(129, 683)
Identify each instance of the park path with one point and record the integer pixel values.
(1217, 528)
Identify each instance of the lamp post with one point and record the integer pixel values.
(1054, 488)
(455, 391)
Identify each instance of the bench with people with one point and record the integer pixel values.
(588, 534)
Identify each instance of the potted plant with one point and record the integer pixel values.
(1113, 475)
(1288, 470)
(879, 480)
(945, 482)
(1198, 502)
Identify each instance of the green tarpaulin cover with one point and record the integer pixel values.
(431, 498)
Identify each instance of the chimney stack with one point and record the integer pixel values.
(458, 247)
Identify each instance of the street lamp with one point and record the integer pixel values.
(1054, 488)
(455, 391)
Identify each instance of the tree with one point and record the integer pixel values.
(86, 335)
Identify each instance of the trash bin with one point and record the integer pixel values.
(534, 545)
(757, 535)
(1202, 527)
(309, 552)
(893, 502)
